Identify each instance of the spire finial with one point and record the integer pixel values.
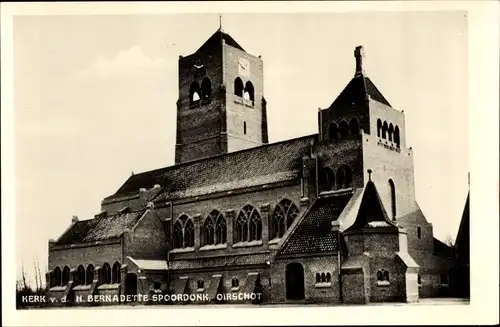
(359, 54)
(220, 22)
(369, 175)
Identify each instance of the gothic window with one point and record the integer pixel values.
(393, 198)
(328, 277)
(178, 239)
(327, 180)
(419, 232)
(189, 234)
(65, 276)
(284, 215)
(235, 282)
(384, 130)
(245, 127)
(396, 136)
(90, 274)
(333, 131)
(238, 87)
(105, 274)
(344, 177)
(206, 88)
(116, 275)
(379, 127)
(208, 230)
(200, 284)
(248, 225)
(390, 131)
(249, 91)
(344, 129)
(194, 92)
(80, 275)
(354, 126)
(220, 230)
(56, 277)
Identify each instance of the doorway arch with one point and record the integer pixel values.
(131, 284)
(294, 277)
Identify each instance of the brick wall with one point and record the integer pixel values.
(96, 255)
(147, 240)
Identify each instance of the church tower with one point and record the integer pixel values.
(221, 107)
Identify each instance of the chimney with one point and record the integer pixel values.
(359, 54)
(74, 219)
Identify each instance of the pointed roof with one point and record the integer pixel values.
(371, 213)
(462, 242)
(216, 40)
(360, 87)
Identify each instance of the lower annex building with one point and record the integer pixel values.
(328, 217)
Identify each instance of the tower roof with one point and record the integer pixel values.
(216, 40)
(360, 87)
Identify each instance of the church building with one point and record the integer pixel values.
(324, 218)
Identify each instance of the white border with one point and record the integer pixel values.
(483, 145)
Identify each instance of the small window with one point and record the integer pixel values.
(318, 278)
(444, 279)
(323, 278)
(380, 276)
(386, 275)
(235, 282)
(419, 280)
(245, 127)
(201, 284)
(328, 277)
(157, 285)
(419, 232)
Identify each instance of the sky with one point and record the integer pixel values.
(95, 100)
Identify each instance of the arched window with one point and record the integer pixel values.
(284, 215)
(80, 275)
(380, 276)
(323, 278)
(200, 284)
(344, 129)
(189, 234)
(105, 274)
(238, 87)
(328, 277)
(318, 278)
(65, 276)
(235, 282)
(354, 126)
(220, 230)
(209, 230)
(396, 136)
(344, 177)
(419, 232)
(56, 279)
(379, 127)
(333, 131)
(326, 180)
(116, 274)
(157, 285)
(393, 198)
(206, 88)
(245, 127)
(390, 131)
(249, 91)
(386, 275)
(384, 130)
(194, 92)
(90, 274)
(248, 225)
(178, 239)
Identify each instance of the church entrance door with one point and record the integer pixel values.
(131, 284)
(294, 281)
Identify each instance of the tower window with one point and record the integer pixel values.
(249, 91)
(194, 92)
(379, 127)
(344, 177)
(333, 132)
(206, 88)
(344, 129)
(238, 87)
(354, 126)
(391, 131)
(384, 130)
(396, 136)
(245, 127)
(393, 198)
(419, 232)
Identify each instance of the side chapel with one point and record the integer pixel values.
(327, 217)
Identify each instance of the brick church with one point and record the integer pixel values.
(328, 217)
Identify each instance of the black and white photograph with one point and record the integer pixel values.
(256, 156)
